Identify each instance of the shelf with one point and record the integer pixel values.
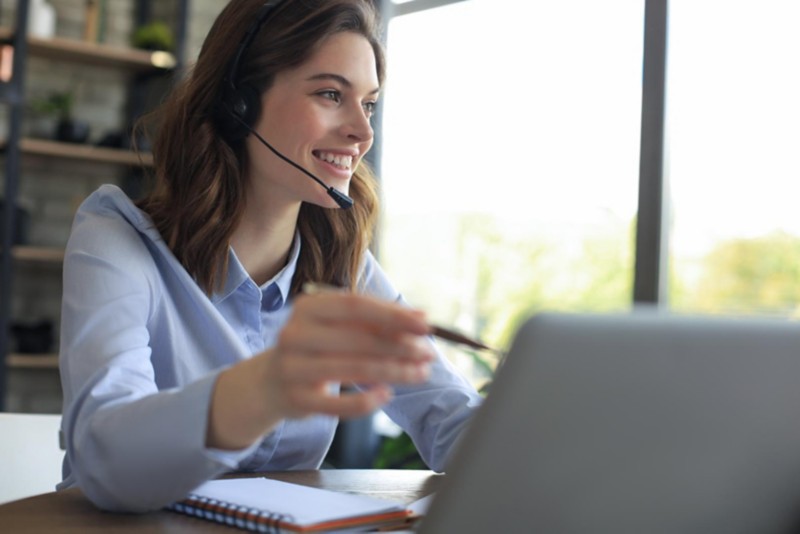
(100, 55)
(134, 77)
(32, 361)
(33, 254)
(55, 149)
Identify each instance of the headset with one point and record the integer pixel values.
(241, 105)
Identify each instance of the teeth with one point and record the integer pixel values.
(343, 162)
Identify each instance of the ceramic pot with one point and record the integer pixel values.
(72, 131)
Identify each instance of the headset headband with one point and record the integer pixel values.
(247, 40)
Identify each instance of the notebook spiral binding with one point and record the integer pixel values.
(243, 517)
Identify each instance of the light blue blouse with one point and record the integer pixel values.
(141, 347)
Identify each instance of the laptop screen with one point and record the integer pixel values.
(642, 422)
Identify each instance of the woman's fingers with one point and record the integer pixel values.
(348, 323)
(368, 312)
(347, 367)
(301, 398)
(346, 338)
(349, 404)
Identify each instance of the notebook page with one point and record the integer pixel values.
(306, 505)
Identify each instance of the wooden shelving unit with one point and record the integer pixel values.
(55, 149)
(16, 151)
(32, 361)
(43, 256)
(46, 255)
(94, 54)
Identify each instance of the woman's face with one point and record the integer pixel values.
(317, 115)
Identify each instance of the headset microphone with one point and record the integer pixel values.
(340, 198)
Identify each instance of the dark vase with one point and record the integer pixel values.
(33, 338)
(72, 131)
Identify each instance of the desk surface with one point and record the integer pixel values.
(70, 512)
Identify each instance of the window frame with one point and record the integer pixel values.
(651, 251)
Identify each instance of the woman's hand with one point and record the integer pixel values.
(345, 338)
(330, 338)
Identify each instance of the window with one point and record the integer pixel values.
(733, 113)
(510, 160)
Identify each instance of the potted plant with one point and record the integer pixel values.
(154, 36)
(56, 111)
(44, 113)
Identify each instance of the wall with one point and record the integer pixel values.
(51, 189)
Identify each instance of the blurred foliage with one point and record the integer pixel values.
(513, 276)
(516, 273)
(155, 35)
(398, 453)
(757, 275)
(56, 104)
(518, 276)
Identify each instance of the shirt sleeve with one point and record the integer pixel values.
(436, 413)
(131, 446)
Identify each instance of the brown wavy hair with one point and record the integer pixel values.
(197, 199)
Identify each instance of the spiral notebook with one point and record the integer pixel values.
(265, 505)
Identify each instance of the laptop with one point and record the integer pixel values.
(633, 423)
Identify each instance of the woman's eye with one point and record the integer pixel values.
(330, 94)
(369, 107)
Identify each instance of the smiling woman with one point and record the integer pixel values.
(188, 349)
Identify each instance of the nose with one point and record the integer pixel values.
(356, 125)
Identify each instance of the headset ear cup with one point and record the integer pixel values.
(239, 112)
(252, 105)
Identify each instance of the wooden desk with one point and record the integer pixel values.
(70, 512)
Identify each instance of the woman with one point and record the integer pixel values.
(189, 348)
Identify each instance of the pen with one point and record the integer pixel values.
(459, 338)
(448, 334)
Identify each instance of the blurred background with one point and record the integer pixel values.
(534, 155)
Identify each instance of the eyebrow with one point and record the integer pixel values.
(339, 78)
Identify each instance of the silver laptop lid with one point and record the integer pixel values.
(641, 422)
